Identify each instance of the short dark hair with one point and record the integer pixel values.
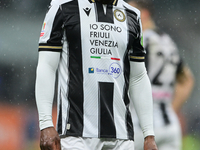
(144, 4)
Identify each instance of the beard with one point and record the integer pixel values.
(106, 1)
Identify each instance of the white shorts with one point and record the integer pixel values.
(79, 143)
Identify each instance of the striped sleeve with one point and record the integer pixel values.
(138, 53)
(52, 32)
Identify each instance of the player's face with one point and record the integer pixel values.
(106, 1)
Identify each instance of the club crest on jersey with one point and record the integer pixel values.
(119, 15)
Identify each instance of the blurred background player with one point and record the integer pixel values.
(172, 82)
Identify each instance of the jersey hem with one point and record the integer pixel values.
(107, 137)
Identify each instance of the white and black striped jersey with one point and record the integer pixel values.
(163, 63)
(96, 42)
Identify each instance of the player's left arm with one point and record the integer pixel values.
(141, 95)
(140, 89)
(183, 87)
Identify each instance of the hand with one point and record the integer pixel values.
(49, 139)
(149, 143)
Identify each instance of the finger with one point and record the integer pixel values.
(58, 146)
(41, 147)
(54, 147)
(46, 146)
(57, 143)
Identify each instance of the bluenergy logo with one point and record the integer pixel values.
(91, 70)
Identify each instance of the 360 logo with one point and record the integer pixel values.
(115, 70)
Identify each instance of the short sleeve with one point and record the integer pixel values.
(52, 32)
(137, 51)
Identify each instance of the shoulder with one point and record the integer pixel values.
(131, 9)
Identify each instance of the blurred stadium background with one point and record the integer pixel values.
(20, 24)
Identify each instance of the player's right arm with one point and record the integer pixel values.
(45, 83)
(50, 46)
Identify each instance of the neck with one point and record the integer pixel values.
(148, 24)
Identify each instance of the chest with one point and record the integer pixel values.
(98, 24)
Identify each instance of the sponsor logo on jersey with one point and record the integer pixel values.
(101, 71)
(115, 70)
(87, 11)
(119, 15)
(91, 70)
(43, 28)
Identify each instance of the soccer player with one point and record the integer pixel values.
(171, 80)
(96, 46)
